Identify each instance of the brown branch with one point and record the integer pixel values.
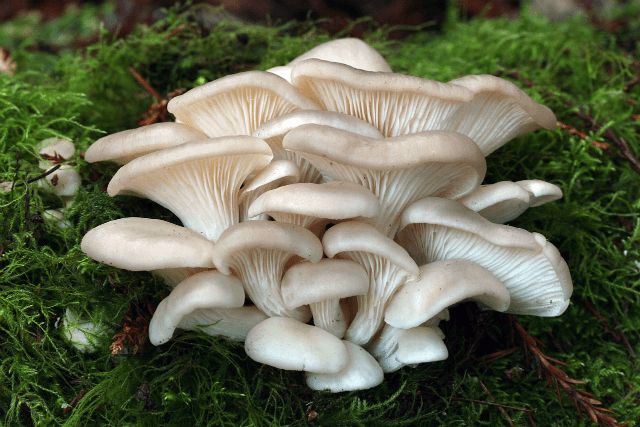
(174, 32)
(482, 402)
(624, 338)
(603, 320)
(557, 378)
(145, 84)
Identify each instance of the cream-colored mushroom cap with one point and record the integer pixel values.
(396, 104)
(276, 174)
(504, 201)
(275, 129)
(499, 112)
(143, 244)
(328, 279)
(198, 181)
(362, 372)
(387, 264)
(288, 344)
(122, 147)
(531, 268)
(397, 170)
(209, 289)
(232, 323)
(304, 202)
(440, 285)
(257, 252)
(65, 181)
(238, 104)
(55, 148)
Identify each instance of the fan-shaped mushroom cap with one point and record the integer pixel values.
(257, 252)
(209, 289)
(232, 323)
(198, 181)
(396, 104)
(122, 147)
(504, 201)
(321, 285)
(397, 170)
(275, 129)
(362, 372)
(395, 348)
(305, 203)
(288, 344)
(141, 244)
(237, 104)
(276, 174)
(499, 112)
(54, 148)
(529, 266)
(387, 264)
(440, 285)
(349, 51)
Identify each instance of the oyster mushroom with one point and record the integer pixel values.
(528, 265)
(289, 344)
(198, 181)
(397, 170)
(321, 285)
(387, 264)
(257, 252)
(237, 104)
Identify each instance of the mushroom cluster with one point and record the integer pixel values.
(332, 211)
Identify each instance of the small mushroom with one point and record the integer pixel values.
(321, 285)
(53, 151)
(530, 267)
(209, 289)
(440, 285)
(311, 205)
(387, 264)
(237, 104)
(504, 201)
(289, 344)
(81, 333)
(362, 372)
(257, 252)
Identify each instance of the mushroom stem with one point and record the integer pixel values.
(328, 315)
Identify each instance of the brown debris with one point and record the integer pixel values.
(158, 111)
(6, 63)
(74, 402)
(135, 326)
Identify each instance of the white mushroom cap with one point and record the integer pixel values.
(397, 170)
(60, 148)
(321, 285)
(275, 129)
(143, 244)
(395, 348)
(288, 344)
(396, 104)
(349, 51)
(257, 252)
(362, 372)
(209, 289)
(81, 333)
(237, 104)
(440, 285)
(387, 264)
(529, 266)
(122, 147)
(198, 181)
(64, 182)
(305, 203)
(499, 112)
(232, 323)
(504, 201)
(276, 174)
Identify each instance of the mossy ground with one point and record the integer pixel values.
(200, 380)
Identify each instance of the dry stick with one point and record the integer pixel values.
(582, 400)
(482, 402)
(624, 338)
(174, 32)
(145, 84)
(489, 358)
(501, 409)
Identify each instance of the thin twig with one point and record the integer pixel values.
(482, 402)
(145, 84)
(501, 409)
(42, 175)
(603, 320)
(624, 338)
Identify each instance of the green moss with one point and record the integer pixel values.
(200, 380)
